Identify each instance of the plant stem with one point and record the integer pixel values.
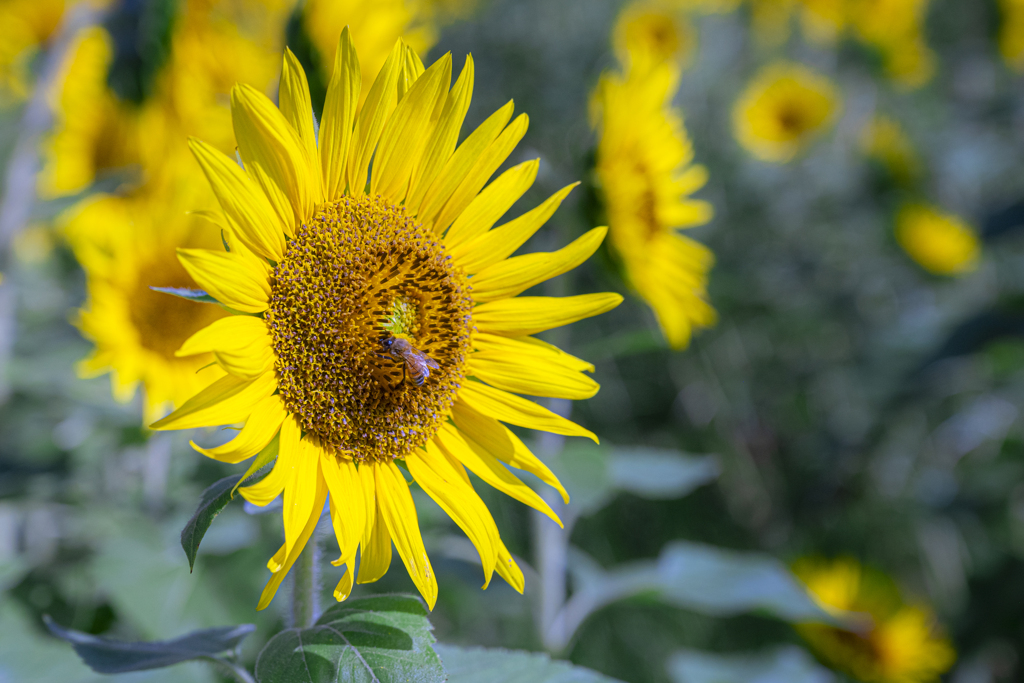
(552, 547)
(304, 587)
(237, 671)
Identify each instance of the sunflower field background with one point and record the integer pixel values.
(811, 458)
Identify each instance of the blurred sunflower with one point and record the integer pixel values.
(27, 26)
(771, 20)
(884, 140)
(124, 250)
(375, 26)
(1011, 33)
(377, 320)
(902, 645)
(645, 175)
(648, 33)
(94, 132)
(896, 29)
(939, 242)
(783, 109)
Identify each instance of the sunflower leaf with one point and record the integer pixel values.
(788, 664)
(107, 656)
(214, 499)
(377, 639)
(186, 293)
(470, 665)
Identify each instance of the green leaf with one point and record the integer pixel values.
(725, 582)
(214, 499)
(186, 293)
(377, 639)
(476, 665)
(787, 664)
(107, 656)
(594, 474)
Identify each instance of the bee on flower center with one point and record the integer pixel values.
(417, 364)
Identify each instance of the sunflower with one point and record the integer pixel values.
(782, 110)
(377, 330)
(94, 132)
(939, 242)
(136, 331)
(27, 26)
(645, 177)
(896, 29)
(1011, 33)
(884, 140)
(648, 33)
(901, 645)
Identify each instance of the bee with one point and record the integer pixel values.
(416, 364)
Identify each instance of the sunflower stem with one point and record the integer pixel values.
(304, 588)
(552, 544)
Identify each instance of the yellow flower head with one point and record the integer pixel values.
(783, 110)
(27, 25)
(941, 243)
(1011, 33)
(376, 320)
(645, 173)
(896, 29)
(375, 26)
(650, 33)
(126, 246)
(885, 141)
(902, 643)
(824, 20)
(771, 20)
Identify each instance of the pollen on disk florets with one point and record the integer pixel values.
(360, 272)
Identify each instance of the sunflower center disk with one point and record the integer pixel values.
(360, 273)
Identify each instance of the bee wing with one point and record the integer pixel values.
(431, 363)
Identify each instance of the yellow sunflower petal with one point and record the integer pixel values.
(412, 69)
(301, 479)
(376, 553)
(486, 164)
(442, 141)
(438, 479)
(229, 278)
(503, 444)
(266, 140)
(407, 131)
(458, 166)
(399, 514)
(492, 203)
(530, 376)
(531, 314)
(339, 117)
(250, 361)
(529, 346)
(344, 587)
(232, 332)
(509, 570)
(515, 275)
(490, 469)
(320, 497)
(348, 507)
(376, 110)
(297, 108)
(512, 409)
(267, 489)
(275, 563)
(501, 242)
(228, 400)
(247, 209)
(259, 429)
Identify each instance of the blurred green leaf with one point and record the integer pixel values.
(594, 474)
(724, 582)
(784, 665)
(376, 639)
(476, 665)
(214, 499)
(107, 656)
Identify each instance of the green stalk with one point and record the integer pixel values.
(304, 587)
